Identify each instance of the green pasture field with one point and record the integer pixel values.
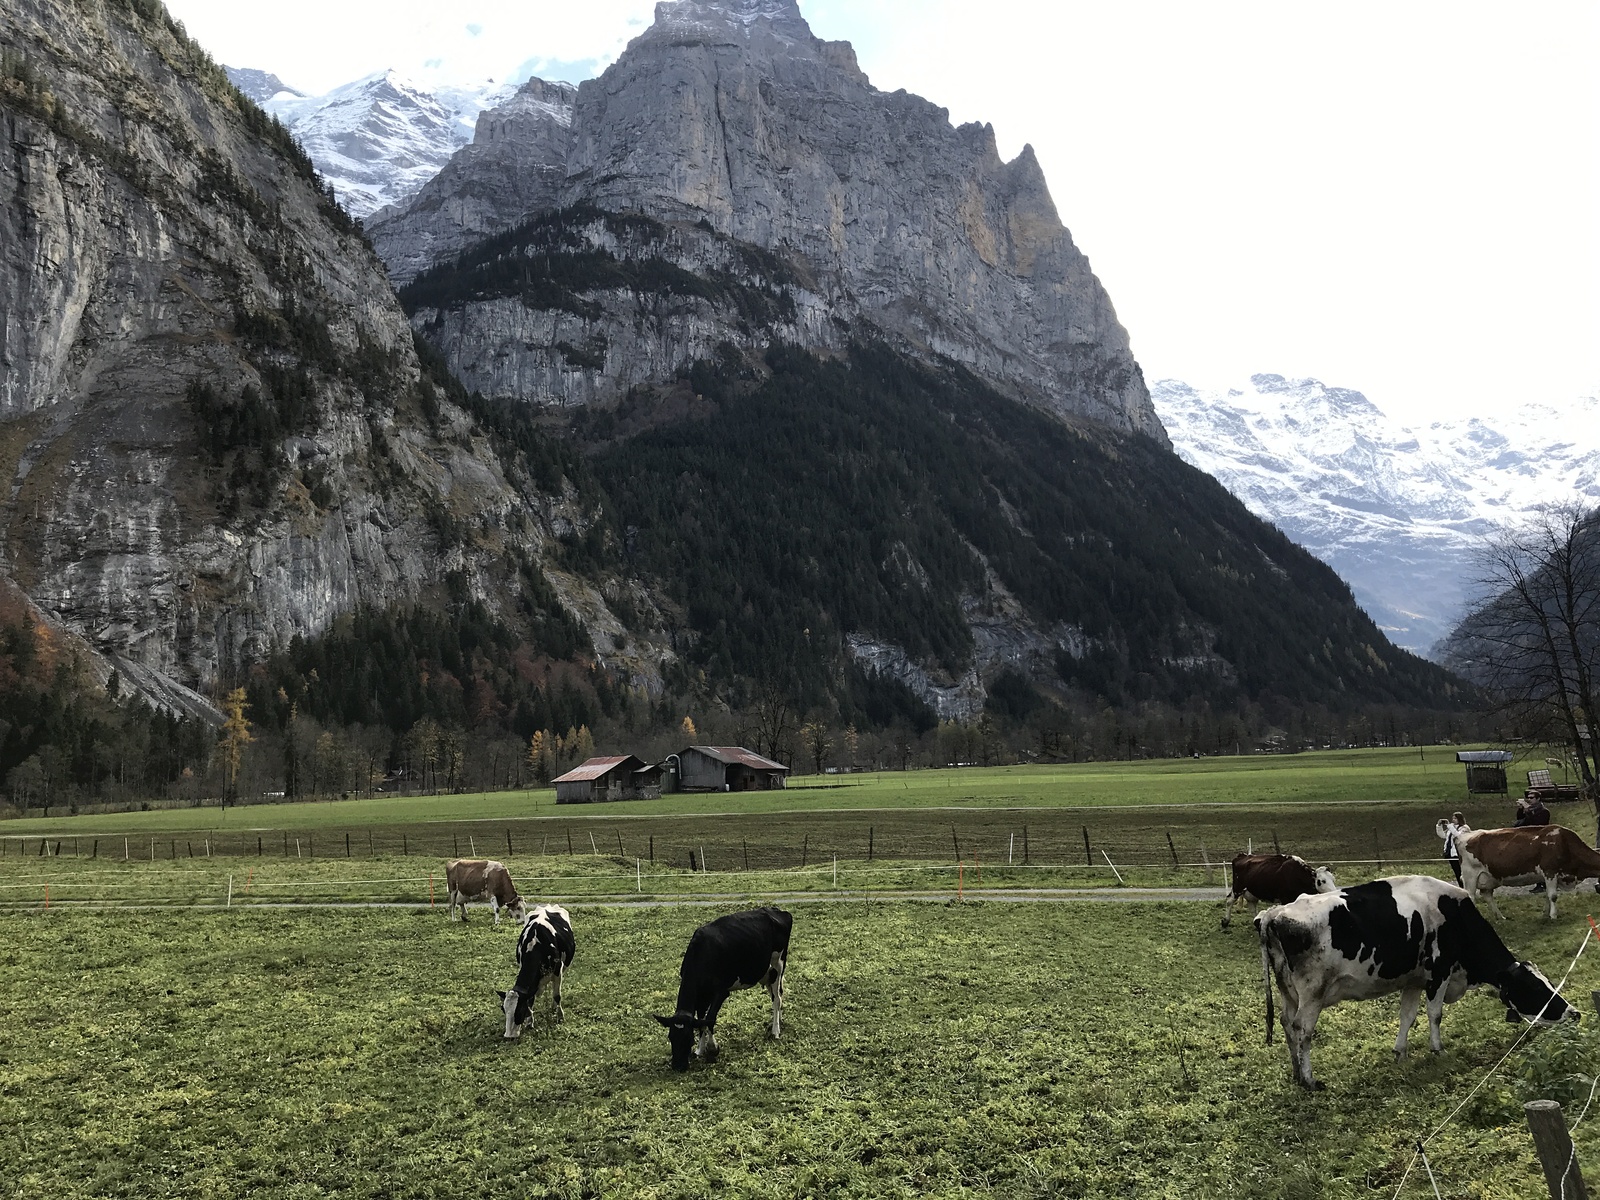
(1381, 776)
(1009, 1049)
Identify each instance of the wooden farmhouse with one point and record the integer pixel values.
(621, 777)
(726, 769)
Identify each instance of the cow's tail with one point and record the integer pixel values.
(1266, 974)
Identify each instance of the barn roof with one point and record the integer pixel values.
(739, 755)
(594, 768)
(1484, 756)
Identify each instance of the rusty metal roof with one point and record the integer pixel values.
(739, 755)
(595, 768)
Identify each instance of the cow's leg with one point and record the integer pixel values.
(776, 990)
(556, 994)
(1230, 901)
(1299, 1023)
(708, 1048)
(1435, 1016)
(458, 901)
(1550, 895)
(1410, 1001)
(494, 907)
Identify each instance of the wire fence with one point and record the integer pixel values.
(1180, 842)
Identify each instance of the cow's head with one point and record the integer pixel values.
(681, 1031)
(1323, 879)
(518, 909)
(517, 1005)
(1528, 996)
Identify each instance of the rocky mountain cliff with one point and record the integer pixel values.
(731, 115)
(1397, 510)
(214, 431)
(844, 419)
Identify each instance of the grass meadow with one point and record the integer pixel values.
(1007, 1049)
(1381, 776)
(154, 1041)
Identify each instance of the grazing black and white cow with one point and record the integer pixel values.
(1411, 934)
(481, 879)
(1273, 879)
(740, 950)
(544, 951)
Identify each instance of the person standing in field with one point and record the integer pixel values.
(1452, 852)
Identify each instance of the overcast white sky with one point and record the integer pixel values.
(1399, 196)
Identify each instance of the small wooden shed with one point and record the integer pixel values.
(727, 769)
(617, 777)
(1486, 771)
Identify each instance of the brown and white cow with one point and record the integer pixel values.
(1273, 879)
(1538, 854)
(482, 879)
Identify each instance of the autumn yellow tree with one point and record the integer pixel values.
(235, 737)
(688, 729)
(584, 750)
(538, 758)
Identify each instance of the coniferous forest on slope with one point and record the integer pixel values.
(867, 496)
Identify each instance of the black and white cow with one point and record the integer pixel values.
(740, 950)
(1410, 934)
(544, 951)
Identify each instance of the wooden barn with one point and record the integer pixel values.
(619, 777)
(725, 769)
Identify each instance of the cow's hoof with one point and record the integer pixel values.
(1314, 1085)
(559, 1016)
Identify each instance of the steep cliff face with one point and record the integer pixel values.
(514, 168)
(730, 112)
(214, 434)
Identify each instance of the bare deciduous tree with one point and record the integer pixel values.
(1533, 641)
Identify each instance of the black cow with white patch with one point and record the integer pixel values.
(544, 951)
(740, 950)
(1410, 934)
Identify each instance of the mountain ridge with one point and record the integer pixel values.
(1398, 509)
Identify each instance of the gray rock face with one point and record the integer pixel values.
(514, 167)
(732, 113)
(139, 217)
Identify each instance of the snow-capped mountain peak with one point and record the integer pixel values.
(1399, 511)
(377, 139)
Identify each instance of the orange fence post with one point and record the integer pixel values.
(248, 877)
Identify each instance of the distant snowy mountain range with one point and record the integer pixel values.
(377, 139)
(1399, 511)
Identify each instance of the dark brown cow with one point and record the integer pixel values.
(1273, 879)
(1541, 854)
(481, 879)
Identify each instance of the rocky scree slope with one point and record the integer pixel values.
(214, 431)
(731, 114)
(1399, 511)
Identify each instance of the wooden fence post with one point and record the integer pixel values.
(1088, 858)
(869, 842)
(509, 852)
(1554, 1146)
(957, 841)
(1276, 849)
(347, 845)
(405, 847)
(1025, 846)
(1174, 850)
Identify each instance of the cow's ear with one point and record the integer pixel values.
(667, 1021)
(499, 993)
(702, 1024)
